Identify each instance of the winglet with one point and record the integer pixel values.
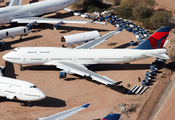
(86, 105)
(112, 116)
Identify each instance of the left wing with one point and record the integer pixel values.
(14, 3)
(81, 70)
(52, 20)
(65, 114)
(98, 40)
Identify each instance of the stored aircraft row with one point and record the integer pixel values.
(73, 61)
(29, 14)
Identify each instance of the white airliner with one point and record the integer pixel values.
(19, 90)
(17, 13)
(73, 61)
(65, 114)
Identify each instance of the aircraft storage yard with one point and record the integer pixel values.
(64, 94)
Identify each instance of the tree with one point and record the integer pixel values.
(160, 18)
(141, 12)
(123, 11)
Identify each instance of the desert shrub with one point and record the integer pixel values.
(141, 12)
(160, 18)
(91, 5)
(123, 11)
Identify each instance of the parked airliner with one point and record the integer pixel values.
(17, 13)
(73, 61)
(19, 90)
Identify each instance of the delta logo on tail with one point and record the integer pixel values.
(156, 40)
(112, 116)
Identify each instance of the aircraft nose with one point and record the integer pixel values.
(42, 96)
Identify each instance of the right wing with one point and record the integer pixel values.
(52, 20)
(98, 40)
(14, 3)
(65, 114)
(81, 70)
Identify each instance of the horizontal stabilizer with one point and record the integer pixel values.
(161, 56)
(112, 116)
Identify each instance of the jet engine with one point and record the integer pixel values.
(80, 37)
(63, 74)
(2, 44)
(30, 25)
(57, 25)
(2, 70)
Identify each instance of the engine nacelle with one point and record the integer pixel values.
(63, 74)
(30, 25)
(2, 70)
(57, 26)
(2, 44)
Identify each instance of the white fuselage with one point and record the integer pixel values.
(16, 31)
(32, 10)
(21, 90)
(41, 55)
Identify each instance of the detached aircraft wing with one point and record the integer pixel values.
(65, 114)
(14, 3)
(98, 40)
(80, 69)
(52, 20)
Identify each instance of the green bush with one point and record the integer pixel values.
(91, 5)
(160, 18)
(123, 11)
(141, 12)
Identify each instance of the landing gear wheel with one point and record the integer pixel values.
(29, 104)
(21, 68)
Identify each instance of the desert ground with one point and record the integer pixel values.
(63, 94)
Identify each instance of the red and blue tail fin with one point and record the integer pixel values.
(112, 116)
(156, 40)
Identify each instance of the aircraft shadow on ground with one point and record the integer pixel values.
(8, 44)
(118, 88)
(9, 70)
(122, 46)
(126, 66)
(170, 66)
(98, 67)
(62, 15)
(47, 102)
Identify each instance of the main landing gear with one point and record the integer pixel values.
(21, 68)
(27, 104)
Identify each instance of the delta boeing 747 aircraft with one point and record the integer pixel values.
(73, 61)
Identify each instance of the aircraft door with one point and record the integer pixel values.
(75, 59)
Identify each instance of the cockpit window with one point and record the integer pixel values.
(33, 86)
(15, 50)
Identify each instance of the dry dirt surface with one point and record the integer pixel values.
(75, 90)
(167, 4)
